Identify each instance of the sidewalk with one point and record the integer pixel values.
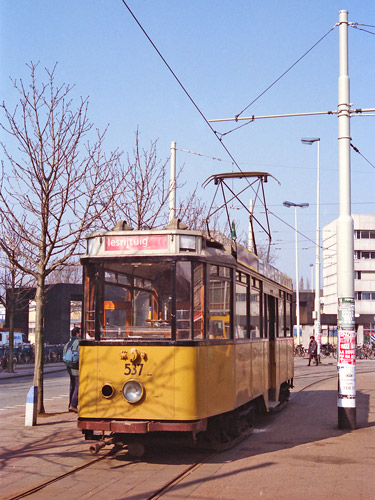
(27, 370)
(297, 453)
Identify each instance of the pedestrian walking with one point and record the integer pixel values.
(71, 359)
(313, 350)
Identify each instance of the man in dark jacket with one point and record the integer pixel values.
(313, 350)
(73, 372)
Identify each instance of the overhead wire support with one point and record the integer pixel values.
(287, 115)
(285, 72)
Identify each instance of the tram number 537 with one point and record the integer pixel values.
(131, 369)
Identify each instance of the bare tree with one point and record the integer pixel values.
(144, 192)
(50, 184)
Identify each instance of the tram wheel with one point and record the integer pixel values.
(136, 449)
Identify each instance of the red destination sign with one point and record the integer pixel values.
(136, 243)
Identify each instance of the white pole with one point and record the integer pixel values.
(297, 277)
(172, 184)
(250, 241)
(318, 334)
(346, 400)
(31, 406)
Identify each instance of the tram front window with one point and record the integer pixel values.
(137, 301)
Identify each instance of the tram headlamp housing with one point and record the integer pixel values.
(132, 391)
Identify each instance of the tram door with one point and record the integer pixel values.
(270, 317)
(270, 324)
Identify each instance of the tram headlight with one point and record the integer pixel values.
(132, 391)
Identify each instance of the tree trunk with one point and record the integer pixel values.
(39, 342)
(11, 338)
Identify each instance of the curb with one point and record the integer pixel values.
(28, 371)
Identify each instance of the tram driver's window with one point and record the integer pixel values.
(183, 294)
(137, 301)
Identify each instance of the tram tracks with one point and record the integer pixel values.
(43, 485)
(184, 471)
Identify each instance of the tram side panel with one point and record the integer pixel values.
(260, 381)
(243, 370)
(282, 364)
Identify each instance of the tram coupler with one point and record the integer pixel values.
(95, 448)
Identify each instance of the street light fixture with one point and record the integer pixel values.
(290, 204)
(317, 327)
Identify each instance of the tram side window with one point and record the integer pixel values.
(288, 315)
(255, 310)
(89, 300)
(198, 301)
(281, 322)
(219, 303)
(183, 294)
(240, 320)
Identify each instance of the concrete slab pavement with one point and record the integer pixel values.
(294, 454)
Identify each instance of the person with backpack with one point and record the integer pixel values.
(70, 358)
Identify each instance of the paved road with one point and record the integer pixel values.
(295, 454)
(14, 391)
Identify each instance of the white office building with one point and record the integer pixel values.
(364, 272)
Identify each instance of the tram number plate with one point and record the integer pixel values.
(131, 369)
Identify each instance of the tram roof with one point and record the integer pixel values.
(174, 241)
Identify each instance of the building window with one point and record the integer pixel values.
(364, 255)
(365, 235)
(364, 295)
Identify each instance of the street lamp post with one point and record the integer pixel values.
(317, 327)
(296, 205)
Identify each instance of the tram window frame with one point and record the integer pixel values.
(219, 329)
(184, 316)
(199, 315)
(256, 284)
(242, 282)
(288, 315)
(281, 332)
(161, 329)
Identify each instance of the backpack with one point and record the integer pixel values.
(71, 356)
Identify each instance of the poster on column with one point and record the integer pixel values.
(346, 369)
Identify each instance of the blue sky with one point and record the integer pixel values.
(225, 54)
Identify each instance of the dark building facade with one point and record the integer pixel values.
(56, 314)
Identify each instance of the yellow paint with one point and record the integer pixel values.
(180, 383)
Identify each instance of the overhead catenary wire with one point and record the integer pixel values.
(360, 154)
(361, 29)
(284, 73)
(244, 109)
(181, 85)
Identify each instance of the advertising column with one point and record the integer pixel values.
(346, 339)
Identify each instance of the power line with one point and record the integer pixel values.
(361, 29)
(360, 154)
(181, 85)
(285, 72)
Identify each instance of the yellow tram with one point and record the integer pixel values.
(180, 334)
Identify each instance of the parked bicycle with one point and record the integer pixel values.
(365, 351)
(328, 350)
(299, 351)
(4, 360)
